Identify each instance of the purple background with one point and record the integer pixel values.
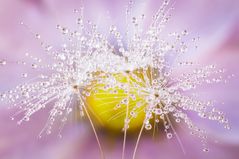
(215, 21)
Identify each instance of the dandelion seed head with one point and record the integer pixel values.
(127, 86)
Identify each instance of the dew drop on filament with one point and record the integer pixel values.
(24, 75)
(34, 66)
(38, 36)
(205, 150)
(169, 135)
(3, 62)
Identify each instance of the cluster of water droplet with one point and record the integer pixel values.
(88, 57)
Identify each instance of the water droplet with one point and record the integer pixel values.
(205, 150)
(48, 132)
(34, 66)
(112, 28)
(75, 11)
(58, 26)
(178, 120)
(148, 126)
(166, 2)
(169, 135)
(79, 21)
(134, 20)
(133, 114)
(59, 136)
(65, 30)
(3, 62)
(158, 111)
(48, 47)
(26, 118)
(38, 36)
(185, 32)
(62, 57)
(157, 120)
(24, 75)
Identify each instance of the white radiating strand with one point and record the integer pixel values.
(88, 57)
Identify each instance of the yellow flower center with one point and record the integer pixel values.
(111, 104)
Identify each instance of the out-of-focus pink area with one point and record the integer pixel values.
(215, 21)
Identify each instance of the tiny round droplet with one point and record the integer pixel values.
(75, 11)
(169, 135)
(34, 66)
(59, 136)
(65, 30)
(3, 62)
(24, 75)
(205, 150)
(38, 36)
(148, 127)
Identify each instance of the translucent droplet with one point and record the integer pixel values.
(59, 136)
(133, 114)
(65, 30)
(166, 2)
(62, 57)
(48, 132)
(169, 135)
(48, 47)
(34, 66)
(75, 11)
(3, 62)
(112, 28)
(185, 32)
(38, 36)
(157, 120)
(178, 120)
(79, 21)
(205, 150)
(158, 111)
(58, 26)
(148, 126)
(26, 118)
(24, 75)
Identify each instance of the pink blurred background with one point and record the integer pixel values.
(215, 21)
